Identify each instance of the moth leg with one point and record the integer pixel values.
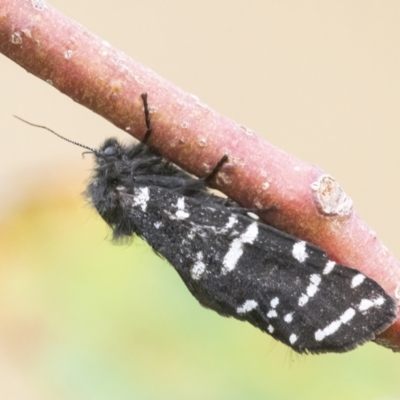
(216, 169)
(225, 202)
(146, 118)
(231, 204)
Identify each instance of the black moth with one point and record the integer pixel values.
(231, 262)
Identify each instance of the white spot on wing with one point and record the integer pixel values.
(141, 197)
(312, 288)
(329, 330)
(199, 267)
(299, 251)
(303, 300)
(270, 329)
(274, 302)
(231, 221)
(247, 306)
(357, 280)
(379, 301)
(328, 267)
(272, 313)
(181, 213)
(366, 304)
(288, 318)
(315, 279)
(292, 338)
(236, 248)
(347, 315)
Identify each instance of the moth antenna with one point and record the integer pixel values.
(57, 134)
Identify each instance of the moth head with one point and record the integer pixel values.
(111, 149)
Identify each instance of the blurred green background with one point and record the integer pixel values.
(83, 319)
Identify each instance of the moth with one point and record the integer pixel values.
(229, 260)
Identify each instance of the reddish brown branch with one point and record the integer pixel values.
(105, 80)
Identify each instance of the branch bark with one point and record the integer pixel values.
(186, 131)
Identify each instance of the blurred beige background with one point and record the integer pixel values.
(320, 79)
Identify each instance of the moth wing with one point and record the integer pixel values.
(288, 288)
(245, 269)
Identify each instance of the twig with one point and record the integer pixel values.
(105, 80)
